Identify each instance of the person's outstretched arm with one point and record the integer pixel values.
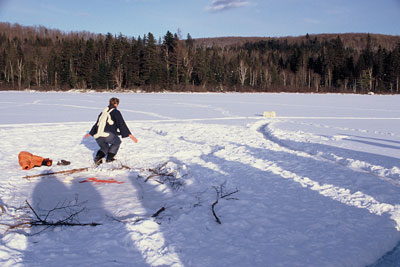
(133, 138)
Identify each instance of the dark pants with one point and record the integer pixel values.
(109, 144)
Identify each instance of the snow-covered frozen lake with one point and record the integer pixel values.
(318, 185)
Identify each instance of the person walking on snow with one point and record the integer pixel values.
(105, 131)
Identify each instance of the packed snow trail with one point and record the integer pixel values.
(344, 195)
(385, 168)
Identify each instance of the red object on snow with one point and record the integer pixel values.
(95, 180)
(28, 160)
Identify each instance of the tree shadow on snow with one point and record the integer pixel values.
(102, 245)
(372, 138)
(332, 172)
(364, 175)
(390, 259)
(372, 143)
(273, 221)
(315, 148)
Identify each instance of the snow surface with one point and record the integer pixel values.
(318, 185)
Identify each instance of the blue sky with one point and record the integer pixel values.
(207, 18)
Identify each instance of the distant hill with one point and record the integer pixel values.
(354, 40)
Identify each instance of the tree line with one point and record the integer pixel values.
(39, 58)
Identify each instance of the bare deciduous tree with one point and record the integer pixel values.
(20, 67)
(118, 77)
(242, 70)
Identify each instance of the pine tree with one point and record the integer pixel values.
(367, 64)
(87, 75)
(152, 57)
(396, 67)
(168, 56)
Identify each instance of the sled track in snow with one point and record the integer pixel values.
(275, 160)
(391, 176)
(356, 130)
(341, 194)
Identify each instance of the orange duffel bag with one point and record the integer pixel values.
(28, 160)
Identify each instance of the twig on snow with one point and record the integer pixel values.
(158, 212)
(3, 210)
(58, 172)
(213, 211)
(165, 175)
(37, 220)
(138, 219)
(221, 194)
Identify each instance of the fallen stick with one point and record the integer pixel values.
(215, 214)
(221, 195)
(3, 210)
(59, 172)
(158, 212)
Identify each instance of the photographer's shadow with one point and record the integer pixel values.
(56, 199)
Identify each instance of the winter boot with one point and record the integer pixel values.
(110, 157)
(99, 156)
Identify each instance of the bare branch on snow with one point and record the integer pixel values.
(221, 194)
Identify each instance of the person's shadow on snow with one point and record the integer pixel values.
(91, 144)
(55, 199)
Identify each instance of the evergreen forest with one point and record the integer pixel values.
(48, 59)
